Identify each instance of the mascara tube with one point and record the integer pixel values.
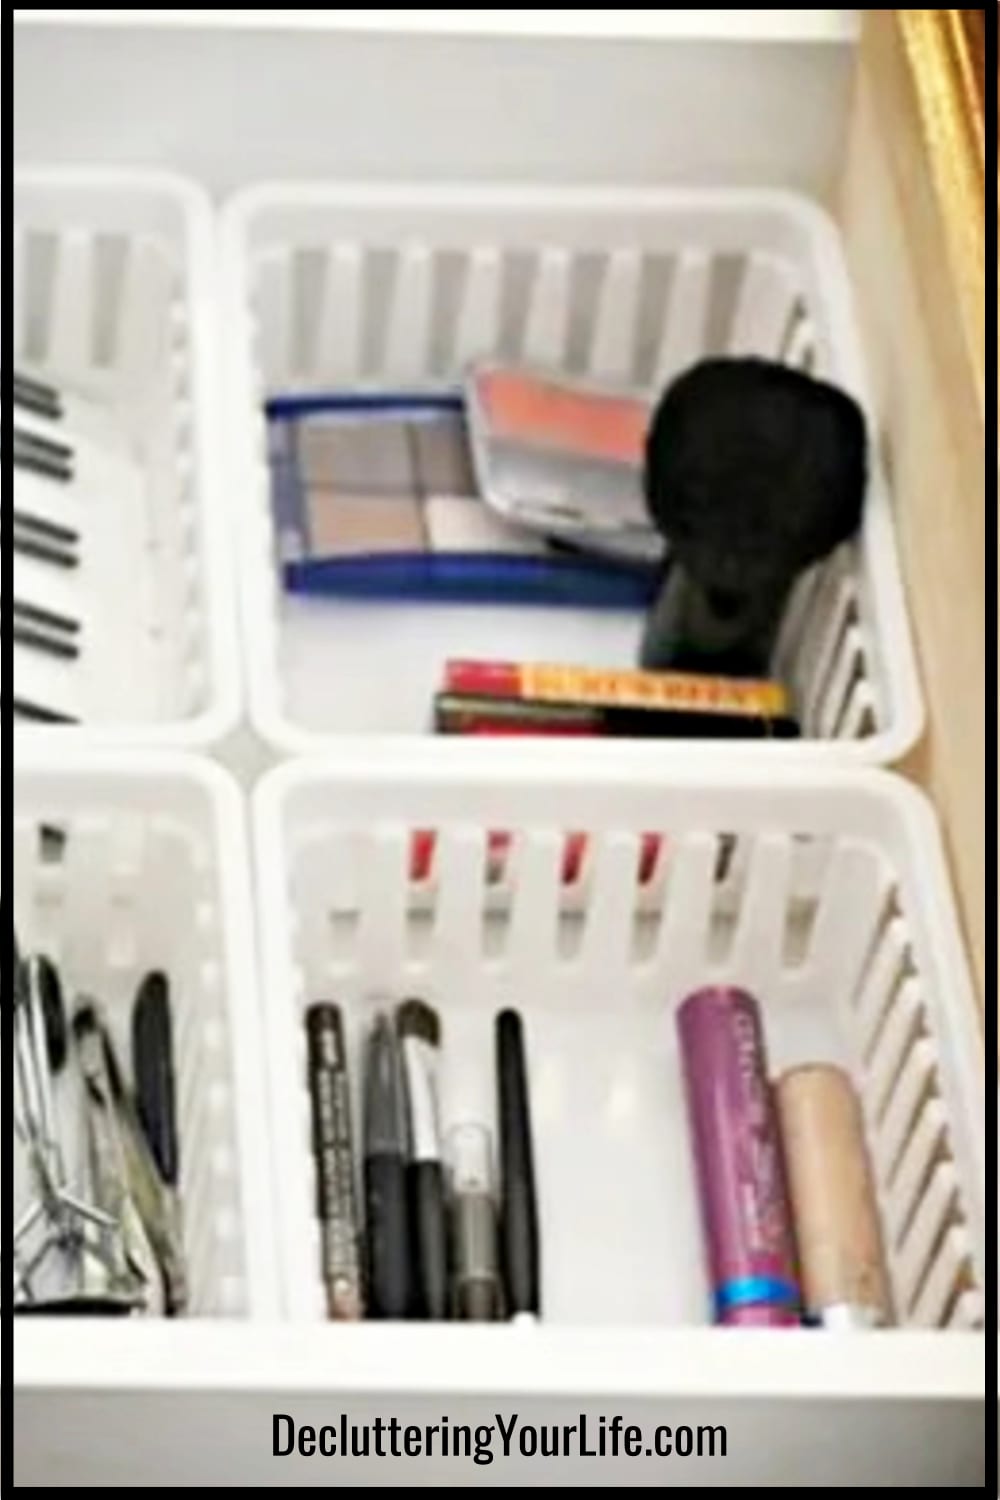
(747, 1223)
(475, 1257)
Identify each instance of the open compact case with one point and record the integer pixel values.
(564, 459)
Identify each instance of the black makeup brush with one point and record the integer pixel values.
(419, 1031)
(388, 1233)
(753, 472)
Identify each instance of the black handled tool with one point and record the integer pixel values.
(48, 988)
(153, 1072)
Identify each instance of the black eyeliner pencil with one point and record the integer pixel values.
(38, 713)
(51, 530)
(48, 619)
(48, 645)
(30, 546)
(37, 406)
(518, 1207)
(40, 456)
(33, 463)
(36, 395)
(46, 447)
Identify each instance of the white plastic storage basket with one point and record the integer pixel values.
(113, 302)
(348, 286)
(127, 864)
(824, 895)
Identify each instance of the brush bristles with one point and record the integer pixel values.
(415, 1018)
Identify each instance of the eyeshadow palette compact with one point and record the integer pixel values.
(377, 496)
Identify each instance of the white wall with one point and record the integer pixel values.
(266, 93)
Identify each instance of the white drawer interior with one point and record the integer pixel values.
(158, 855)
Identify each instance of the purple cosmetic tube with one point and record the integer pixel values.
(747, 1222)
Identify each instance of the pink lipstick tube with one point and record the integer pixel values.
(749, 1238)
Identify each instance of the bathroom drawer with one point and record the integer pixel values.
(787, 100)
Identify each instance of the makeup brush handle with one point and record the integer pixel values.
(390, 1279)
(688, 629)
(430, 1234)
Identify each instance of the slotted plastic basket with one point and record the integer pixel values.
(594, 907)
(133, 862)
(113, 303)
(336, 286)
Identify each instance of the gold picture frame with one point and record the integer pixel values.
(945, 52)
(911, 200)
